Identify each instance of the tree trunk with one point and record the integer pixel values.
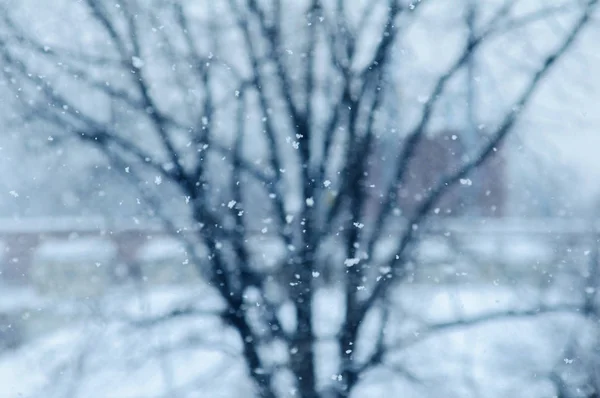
(302, 350)
(259, 375)
(303, 354)
(346, 352)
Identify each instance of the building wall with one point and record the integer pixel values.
(481, 194)
(19, 251)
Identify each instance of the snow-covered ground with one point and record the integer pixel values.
(447, 336)
(127, 345)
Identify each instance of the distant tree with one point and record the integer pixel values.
(264, 115)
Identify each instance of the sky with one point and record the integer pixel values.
(559, 128)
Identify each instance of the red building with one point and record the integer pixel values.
(482, 193)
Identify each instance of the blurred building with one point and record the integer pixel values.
(82, 256)
(481, 193)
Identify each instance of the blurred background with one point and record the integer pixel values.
(106, 291)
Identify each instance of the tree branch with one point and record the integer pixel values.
(510, 119)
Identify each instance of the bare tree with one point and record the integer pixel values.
(264, 115)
